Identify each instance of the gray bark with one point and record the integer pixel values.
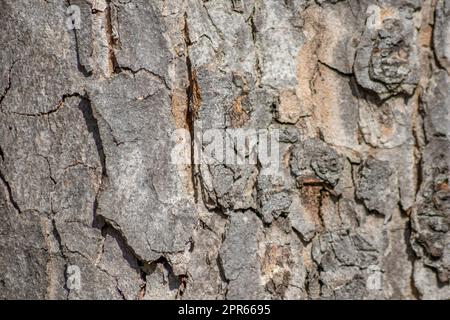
(359, 91)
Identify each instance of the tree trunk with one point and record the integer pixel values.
(135, 139)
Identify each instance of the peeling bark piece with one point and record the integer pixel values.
(229, 187)
(274, 197)
(143, 195)
(435, 102)
(431, 215)
(344, 248)
(442, 33)
(344, 258)
(386, 59)
(376, 186)
(275, 204)
(315, 159)
(238, 256)
(139, 47)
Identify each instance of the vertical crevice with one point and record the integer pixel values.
(85, 107)
(8, 86)
(222, 275)
(254, 32)
(2, 154)
(111, 40)
(411, 258)
(193, 101)
(10, 193)
(80, 65)
(57, 236)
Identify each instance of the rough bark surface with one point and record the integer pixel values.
(359, 89)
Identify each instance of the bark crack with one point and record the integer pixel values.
(194, 102)
(10, 193)
(160, 78)
(8, 86)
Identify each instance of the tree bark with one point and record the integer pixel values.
(96, 96)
